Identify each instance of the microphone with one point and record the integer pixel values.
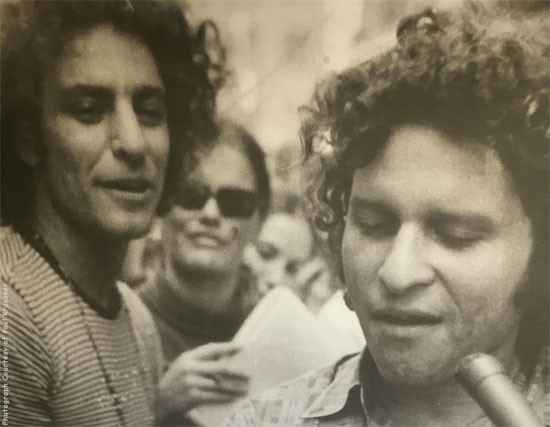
(485, 380)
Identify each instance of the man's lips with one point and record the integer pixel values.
(407, 317)
(132, 185)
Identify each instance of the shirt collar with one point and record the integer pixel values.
(344, 383)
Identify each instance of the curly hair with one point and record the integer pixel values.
(34, 33)
(469, 72)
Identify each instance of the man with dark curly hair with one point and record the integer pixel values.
(434, 189)
(97, 100)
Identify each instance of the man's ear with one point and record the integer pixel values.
(27, 143)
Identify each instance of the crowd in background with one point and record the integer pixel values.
(288, 251)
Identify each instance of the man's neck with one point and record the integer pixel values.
(91, 262)
(435, 405)
(446, 404)
(209, 292)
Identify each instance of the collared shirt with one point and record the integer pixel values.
(333, 396)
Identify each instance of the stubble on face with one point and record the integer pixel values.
(435, 249)
(105, 136)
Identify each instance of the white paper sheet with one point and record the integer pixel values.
(281, 340)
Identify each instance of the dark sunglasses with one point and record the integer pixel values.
(232, 202)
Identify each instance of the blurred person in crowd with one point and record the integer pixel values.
(435, 195)
(203, 294)
(286, 254)
(89, 96)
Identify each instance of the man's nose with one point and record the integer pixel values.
(406, 265)
(127, 135)
(210, 212)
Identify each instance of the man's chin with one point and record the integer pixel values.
(414, 372)
(121, 230)
(414, 378)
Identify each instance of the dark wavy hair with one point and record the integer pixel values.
(469, 72)
(34, 33)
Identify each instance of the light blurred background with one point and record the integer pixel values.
(277, 50)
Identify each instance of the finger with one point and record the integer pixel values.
(216, 383)
(214, 351)
(210, 352)
(226, 385)
(222, 370)
(184, 369)
(205, 396)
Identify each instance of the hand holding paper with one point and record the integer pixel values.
(280, 340)
(202, 376)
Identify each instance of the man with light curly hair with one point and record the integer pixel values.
(435, 196)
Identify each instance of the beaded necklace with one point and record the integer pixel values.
(38, 243)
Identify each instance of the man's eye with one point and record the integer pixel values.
(88, 110)
(151, 112)
(376, 227)
(457, 239)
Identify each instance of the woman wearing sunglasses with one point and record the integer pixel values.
(202, 295)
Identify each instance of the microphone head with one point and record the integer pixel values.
(485, 380)
(474, 368)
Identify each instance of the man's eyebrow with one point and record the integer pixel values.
(147, 91)
(361, 203)
(85, 90)
(476, 221)
(104, 92)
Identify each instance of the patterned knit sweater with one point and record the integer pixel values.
(67, 364)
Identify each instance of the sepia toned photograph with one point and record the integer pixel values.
(261, 213)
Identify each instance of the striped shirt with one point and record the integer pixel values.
(333, 396)
(66, 363)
